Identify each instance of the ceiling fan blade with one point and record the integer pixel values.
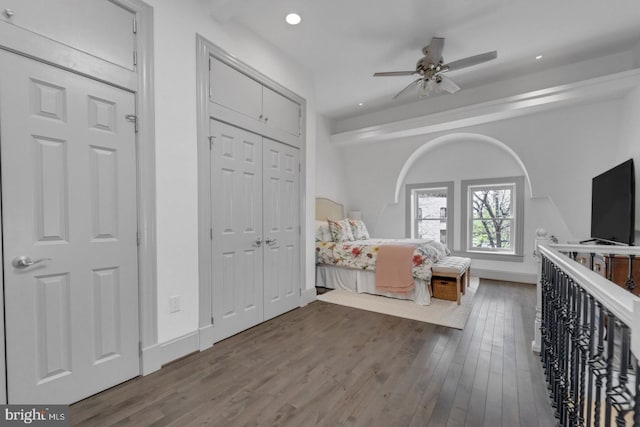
(433, 53)
(447, 84)
(406, 89)
(472, 60)
(394, 73)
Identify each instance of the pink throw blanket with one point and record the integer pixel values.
(394, 269)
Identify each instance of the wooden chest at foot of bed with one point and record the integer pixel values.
(445, 288)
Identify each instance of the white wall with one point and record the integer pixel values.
(175, 27)
(561, 151)
(630, 143)
(330, 165)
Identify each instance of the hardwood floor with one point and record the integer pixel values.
(330, 365)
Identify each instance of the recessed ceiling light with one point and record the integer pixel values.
(360, 104)
(539, 57)
(293, 19)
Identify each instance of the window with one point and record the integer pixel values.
(494, 210)
(430, 211)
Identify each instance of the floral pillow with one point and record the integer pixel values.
(359, 230)
(341, 230)
(322, 231)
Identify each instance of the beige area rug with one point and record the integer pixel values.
(440, 312)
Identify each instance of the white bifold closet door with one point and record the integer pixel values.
(255, 218)
(69, 222)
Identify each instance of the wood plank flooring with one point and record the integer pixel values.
(330, 365)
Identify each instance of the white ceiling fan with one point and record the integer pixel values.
(431, 67)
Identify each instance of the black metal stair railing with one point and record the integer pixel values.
(586, 354)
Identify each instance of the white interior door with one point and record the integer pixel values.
(236, 218)
(69, 207)
(281, 219)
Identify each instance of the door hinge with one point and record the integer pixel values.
(299, 167)
(135, 58)
(300, 291)
(210, 90)
(135, 25)
(133, 119)
(138, 238)
(211, 140)
(299, 229)
(213, 321)
(211, 234)
(209, 63)
(140, 347)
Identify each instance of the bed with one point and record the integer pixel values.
(350, 264)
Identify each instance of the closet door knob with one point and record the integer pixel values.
(258, 242)
(271, 242)
(260, 116)
(266, 119)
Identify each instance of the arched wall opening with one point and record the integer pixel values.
(455, 158)
(458, 137)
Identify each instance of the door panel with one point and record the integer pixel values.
(236, 218)
(281, 112)
(235, 90)
(281, 228)
(69, 198)
(100, 28)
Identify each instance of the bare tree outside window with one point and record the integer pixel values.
(492, 217)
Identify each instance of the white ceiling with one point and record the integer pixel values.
(343, 42)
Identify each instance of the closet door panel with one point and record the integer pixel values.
(281, 177)
(236, 219)
(235, 90)
(281, 112)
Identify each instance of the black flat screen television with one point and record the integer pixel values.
(613, 205)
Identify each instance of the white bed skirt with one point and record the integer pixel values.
(362, 281)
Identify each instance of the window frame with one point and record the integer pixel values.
(517, 218)
(411, 208)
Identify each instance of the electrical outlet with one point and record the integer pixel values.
(174, 304)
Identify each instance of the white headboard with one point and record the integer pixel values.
(328, 209)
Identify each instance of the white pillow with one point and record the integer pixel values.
(322, 231)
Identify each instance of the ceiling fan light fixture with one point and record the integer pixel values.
(427, 87)
(293, 19)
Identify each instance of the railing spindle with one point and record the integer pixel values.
(630, 284)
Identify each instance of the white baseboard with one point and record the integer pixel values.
(155, 356)
(308, 295)
(507, 276)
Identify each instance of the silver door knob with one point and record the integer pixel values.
(271, 242)
(258, 242)
(25, 261)
(8, 13)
